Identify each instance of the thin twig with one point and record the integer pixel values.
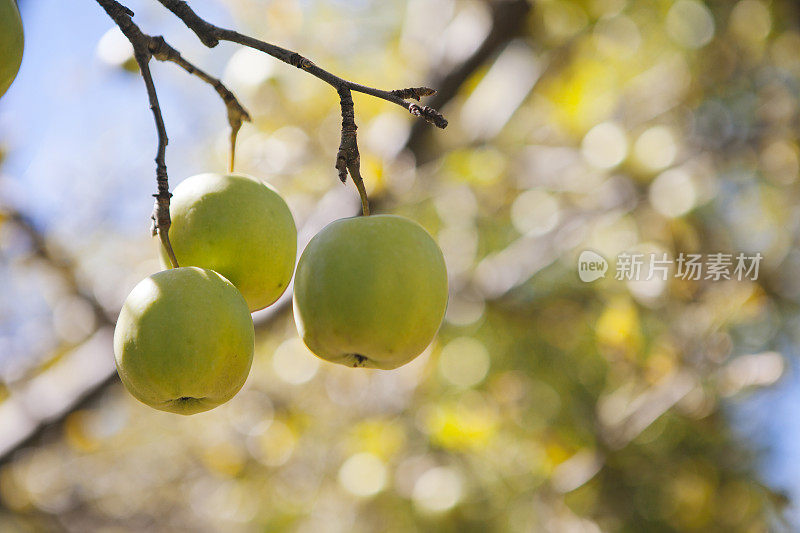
(237, 114)
(147, 47)
(121, 15)
(211, 35)
(160, 216)
(296, 60)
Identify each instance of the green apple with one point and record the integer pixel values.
(238, 226)
(11, 43)
(184, 341)
(370, 291)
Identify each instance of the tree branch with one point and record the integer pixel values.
(211, 35)
(237, 114)
(147, 47)
(160, 216)
(121, 15)
(347, 157)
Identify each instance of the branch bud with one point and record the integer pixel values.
(429, 114)
(414, 93)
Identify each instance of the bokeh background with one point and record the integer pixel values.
(545, 403)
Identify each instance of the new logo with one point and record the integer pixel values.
(591, 266)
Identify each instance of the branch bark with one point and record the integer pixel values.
(348, 159)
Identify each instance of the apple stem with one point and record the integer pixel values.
(168, 247)
(364, 200)
(236, 116)
(232, 162)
